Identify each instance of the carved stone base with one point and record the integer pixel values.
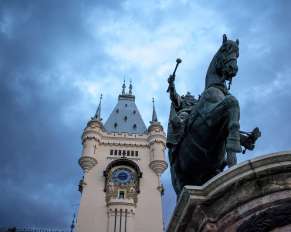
(158, 166)
(252, 196)
(87, 163)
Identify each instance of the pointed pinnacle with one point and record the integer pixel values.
(98, 111)
(130, 88)
(154, 116)
(123, 87)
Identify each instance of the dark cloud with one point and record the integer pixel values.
(39, 150)
(44, 48)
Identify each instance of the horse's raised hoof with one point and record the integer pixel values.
(233, 145)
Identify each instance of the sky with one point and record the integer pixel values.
(57, 57)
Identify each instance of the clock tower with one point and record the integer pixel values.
(122, 161)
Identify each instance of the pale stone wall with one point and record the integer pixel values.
(252, 196)
(95, 214)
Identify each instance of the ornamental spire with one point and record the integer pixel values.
(98, 111)
(154, 116)
(123, 87)
(130, 88)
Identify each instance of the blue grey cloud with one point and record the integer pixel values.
(57, 56)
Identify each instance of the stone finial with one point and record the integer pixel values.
(158, 166)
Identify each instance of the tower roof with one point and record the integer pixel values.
(125, 116)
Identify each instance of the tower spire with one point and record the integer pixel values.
(98, 111)
(154, 116)
(123, 87)
(130, 88)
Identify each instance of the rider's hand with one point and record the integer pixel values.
(171, 79)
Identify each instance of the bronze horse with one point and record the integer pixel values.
(201, 132)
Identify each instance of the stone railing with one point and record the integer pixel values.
(252, 196)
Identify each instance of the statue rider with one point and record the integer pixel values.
(181, 107)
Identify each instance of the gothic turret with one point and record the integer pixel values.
(90, 135)
(157, 147)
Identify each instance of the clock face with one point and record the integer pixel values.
(122, 176)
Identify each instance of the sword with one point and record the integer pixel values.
(178, 61)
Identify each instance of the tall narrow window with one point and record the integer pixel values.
(121, 194)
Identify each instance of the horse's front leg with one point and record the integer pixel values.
(233, 113)
(227, 109)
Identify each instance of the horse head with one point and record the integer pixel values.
(224, 63)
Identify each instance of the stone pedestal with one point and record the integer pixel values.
(252, 196)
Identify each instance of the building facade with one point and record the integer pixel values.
(122, 161)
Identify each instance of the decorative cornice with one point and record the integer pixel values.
(155, 127)
(113, 210)
(125, 139)
(115, 138)
(121, 202)
(157, 138)
(94, 123)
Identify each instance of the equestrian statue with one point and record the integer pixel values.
(204, 133)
